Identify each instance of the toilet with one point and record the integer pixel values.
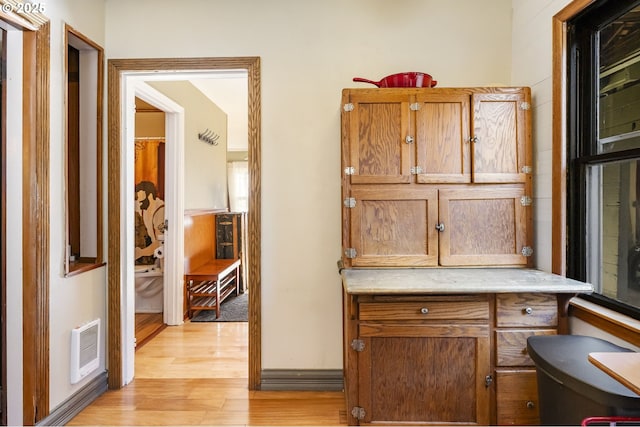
(149, 289)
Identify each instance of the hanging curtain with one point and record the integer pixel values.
(238, 181)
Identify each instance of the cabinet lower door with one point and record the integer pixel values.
(424, 379)
(517, 397)
(482, 226)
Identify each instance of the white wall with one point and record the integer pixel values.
(310, 51)
(14, 228)
(532, 66)
(75, 300)
(82, 298)
(205, 172)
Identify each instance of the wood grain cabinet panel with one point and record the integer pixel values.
(517, 397)
(526, 310)
(417, 372)
(378, 123)
(425, 310)
(465, 151)
(519, 316)
(391, 226)
(443, 135)
(500, 134)
(511, 345)
(482, 226)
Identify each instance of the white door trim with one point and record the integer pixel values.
(133, 85)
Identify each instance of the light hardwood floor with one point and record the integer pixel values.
(196, 374)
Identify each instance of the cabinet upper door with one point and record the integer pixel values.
(376, 128)
(442, 136)
(393, 226)
(501, 127)
(483, 226)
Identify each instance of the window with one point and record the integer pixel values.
(604, 152)
(84, 71)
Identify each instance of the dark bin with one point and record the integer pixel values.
(570, 388)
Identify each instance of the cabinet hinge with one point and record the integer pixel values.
(350, 202)
(358, 412)
(414, 107)
(357, 345)
(525, 106)
(527, 169)
(526, 201)
(527, 251)
(349, 170)
(415, 170)
(348, 107)
(350, 253)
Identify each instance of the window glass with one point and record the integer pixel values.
(603, 196)
(619, 83)
(613, 233)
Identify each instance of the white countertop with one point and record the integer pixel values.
(457, 281)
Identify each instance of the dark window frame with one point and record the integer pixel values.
(582, 133)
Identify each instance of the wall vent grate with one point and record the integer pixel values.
(85, 350)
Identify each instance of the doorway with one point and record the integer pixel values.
(118, 72)
(149, 175)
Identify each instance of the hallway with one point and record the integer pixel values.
(196, 374)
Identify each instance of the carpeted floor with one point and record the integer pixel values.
(233, 309)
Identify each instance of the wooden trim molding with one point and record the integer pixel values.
(35, 217)
(116, 67)
(607, 320)
(99, 97)
(559, 131)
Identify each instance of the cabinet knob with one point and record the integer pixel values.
(473, 139)
(440, 227)
(409, 139)
(424, 310)
(530, 404)
(528, 310)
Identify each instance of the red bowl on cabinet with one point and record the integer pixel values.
(410, 79)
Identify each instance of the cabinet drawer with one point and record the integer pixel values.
(512, 346)
(517, 397)
(425, 310)
(526, 310)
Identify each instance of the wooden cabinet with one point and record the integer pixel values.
(420, 360)
(231, 240)
(424, 226)
(519, 316)
(435, 135)
(438, 176)
(380, 222)
(482, 226)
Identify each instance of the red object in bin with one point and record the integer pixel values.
(611, 420)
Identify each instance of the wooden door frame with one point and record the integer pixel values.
(116, 68)
(35, 214)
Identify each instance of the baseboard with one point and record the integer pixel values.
(303, 379)
(77, 402)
